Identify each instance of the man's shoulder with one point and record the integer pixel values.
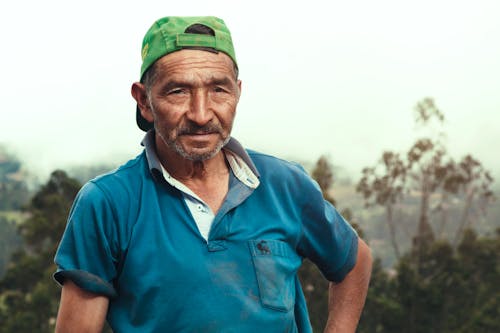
(275, 171)
(130, 174)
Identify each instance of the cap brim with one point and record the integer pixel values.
(141, 122)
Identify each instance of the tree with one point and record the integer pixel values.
(444, 283)
(314, 285)
(385, 188)
(427, 171)
(475, 183)
(323, 175)
(14, 192)
(28, 295)
(382, 311)
(9, 241)
(453, 290)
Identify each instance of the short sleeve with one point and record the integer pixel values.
(327, 239)
(86, 254)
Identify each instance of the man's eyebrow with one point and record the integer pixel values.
(223, 81)
(171, 84)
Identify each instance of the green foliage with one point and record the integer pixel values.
(315, 288)
(9, 241)
(443, 290)
(49, 209)
(14, 192)
(28, 296)
(382, 312)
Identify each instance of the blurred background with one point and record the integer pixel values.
(392, 106)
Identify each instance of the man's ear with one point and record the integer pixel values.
(138, 92)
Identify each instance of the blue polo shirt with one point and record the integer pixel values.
(130, 236)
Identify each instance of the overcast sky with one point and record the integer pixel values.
(319, 77)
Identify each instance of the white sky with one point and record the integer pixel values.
(319, 77)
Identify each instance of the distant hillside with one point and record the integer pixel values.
(84, 173)
(372, 220)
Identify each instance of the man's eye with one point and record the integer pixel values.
(175, 91)
(219, 89)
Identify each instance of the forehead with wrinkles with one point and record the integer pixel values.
(195, 62)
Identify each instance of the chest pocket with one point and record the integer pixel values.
(275, 264)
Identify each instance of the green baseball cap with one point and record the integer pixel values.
(168, 35)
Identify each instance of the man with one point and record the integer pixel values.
(197, 234)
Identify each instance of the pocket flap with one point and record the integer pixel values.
(276, 265)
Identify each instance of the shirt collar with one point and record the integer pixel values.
(240, 162)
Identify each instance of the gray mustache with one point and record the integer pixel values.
(195, 129)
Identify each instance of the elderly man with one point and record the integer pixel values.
(197, 234)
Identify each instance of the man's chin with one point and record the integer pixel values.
(198, 154)
(199, 149)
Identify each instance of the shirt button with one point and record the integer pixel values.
(200, 208)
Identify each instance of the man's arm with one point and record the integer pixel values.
(80, 311)
(347, 298)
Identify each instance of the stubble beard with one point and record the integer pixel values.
(171, 139)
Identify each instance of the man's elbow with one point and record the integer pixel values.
(364, 251)
(364, 260)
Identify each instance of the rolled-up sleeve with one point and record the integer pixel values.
(87, 252)
(327, 239)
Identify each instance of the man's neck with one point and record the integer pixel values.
(209, 179)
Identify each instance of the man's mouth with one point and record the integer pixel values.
(199, 133)
(208, 130)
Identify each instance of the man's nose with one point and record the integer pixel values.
(200, 112)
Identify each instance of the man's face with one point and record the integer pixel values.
(193, 102)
